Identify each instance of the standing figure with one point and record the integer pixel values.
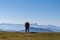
(27, 24)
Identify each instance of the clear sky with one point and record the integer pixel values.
(34, 11)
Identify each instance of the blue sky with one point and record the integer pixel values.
(34, 11)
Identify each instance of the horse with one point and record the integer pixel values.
(27, 24)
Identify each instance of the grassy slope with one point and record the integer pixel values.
(29, 36)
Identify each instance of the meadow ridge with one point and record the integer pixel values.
(29, 36)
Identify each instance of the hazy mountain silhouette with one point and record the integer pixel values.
(1, 30)
(33, 27)
(51, 27)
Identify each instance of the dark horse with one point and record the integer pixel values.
(27, 24)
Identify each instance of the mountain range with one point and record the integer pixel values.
(33, 28)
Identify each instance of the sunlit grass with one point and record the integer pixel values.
(29, 36)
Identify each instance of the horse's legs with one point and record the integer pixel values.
(28, 29)
(25, 29)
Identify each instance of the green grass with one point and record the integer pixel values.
(29, 36)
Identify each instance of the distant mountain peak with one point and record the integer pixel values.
(34, 24)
